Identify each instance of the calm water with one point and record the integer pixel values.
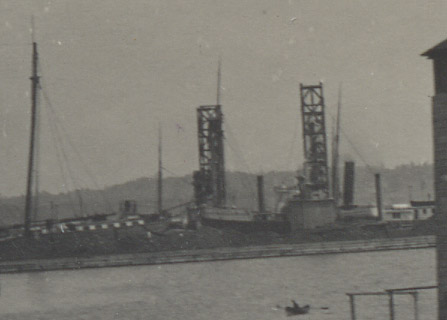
(243, 289)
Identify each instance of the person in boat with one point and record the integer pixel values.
(295, 305)
(296, 309)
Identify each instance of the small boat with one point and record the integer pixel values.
(296, 310)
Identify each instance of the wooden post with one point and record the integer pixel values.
(391, 302)
(415, 305)
(351, 299)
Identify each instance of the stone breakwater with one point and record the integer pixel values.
(202, 255)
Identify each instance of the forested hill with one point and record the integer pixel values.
(398, 185)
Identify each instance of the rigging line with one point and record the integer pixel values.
(244, 183)
(70, 142)
(58, 147)
(68, 168)
(85, 167)
(247, 186)
(235, 148)
(64, 155)
(177, 175)
(55, 119)
(238, 154)
(292, 144)
(61, 168)
(368, 166)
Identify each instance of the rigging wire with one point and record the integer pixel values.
(61, 156)
(289, 158)
(60, 164)
(60, 128)
(234, 146)
(177, 175)
(345, 135)
(62, 171)
(238, 154)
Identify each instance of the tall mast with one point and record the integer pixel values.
(34, 85)
(160, 173)
(218, 81)
(335, 155)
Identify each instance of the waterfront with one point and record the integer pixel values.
(239, 289)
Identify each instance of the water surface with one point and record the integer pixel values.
(239, 289)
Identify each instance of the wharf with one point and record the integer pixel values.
(233, 253)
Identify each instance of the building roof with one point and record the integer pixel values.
(426, 203)
(436, 50)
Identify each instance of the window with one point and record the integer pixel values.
(396, 215)
(424, 211)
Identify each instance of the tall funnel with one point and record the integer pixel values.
(379, 196)
(348, 190)
(261, 205)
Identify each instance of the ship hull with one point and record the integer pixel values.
(248, 226)
(245, 222)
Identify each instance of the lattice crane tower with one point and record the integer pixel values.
(209, 181)
(316, 184)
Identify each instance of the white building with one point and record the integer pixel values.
(417, 210)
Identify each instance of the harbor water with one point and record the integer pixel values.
(237, 289)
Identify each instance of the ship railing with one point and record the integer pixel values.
(391, 293)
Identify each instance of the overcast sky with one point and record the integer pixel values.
(113, 70)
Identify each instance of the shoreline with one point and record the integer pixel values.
(219, 254)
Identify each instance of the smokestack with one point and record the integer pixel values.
(378, 196)
(261, 206)
(348, 190)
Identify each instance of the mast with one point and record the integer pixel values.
(335, 155)
(34, 85)
(218, 82)
(160, 174)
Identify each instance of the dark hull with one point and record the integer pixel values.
(247, 226)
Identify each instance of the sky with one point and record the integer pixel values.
(112, 71)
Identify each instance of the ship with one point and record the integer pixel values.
(307, 204)
(313, 202)
(128, 215)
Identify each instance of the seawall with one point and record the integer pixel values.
(269, 251)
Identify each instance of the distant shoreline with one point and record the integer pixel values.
(204, 255)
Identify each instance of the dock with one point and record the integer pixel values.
(219, 254)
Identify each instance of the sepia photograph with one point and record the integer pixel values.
(202, 159)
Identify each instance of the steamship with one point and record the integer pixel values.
(307, 205)
(210, 188)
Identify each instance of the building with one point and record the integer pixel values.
(423, 209)
(399, 213)
(439, 117)
(417, 210)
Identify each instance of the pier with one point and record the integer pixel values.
(203, 255)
